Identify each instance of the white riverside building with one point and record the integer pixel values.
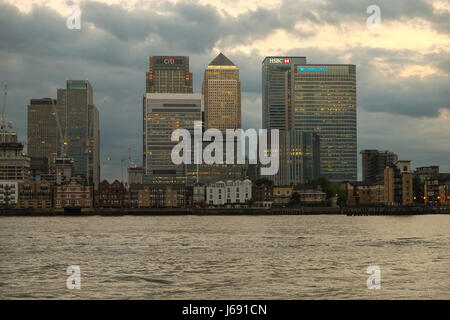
(229, 193)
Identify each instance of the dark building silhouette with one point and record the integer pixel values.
(373, 164)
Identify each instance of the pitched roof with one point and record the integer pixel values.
(221, 60)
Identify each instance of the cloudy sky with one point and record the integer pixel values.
(402, 68)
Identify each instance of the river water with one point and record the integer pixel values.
(225, 257)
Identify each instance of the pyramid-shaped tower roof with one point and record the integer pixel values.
(221, 60)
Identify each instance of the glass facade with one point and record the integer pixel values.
(168, 74)
(164, 113)
(42, 130)
(276, 78)
(299, 158)
(222, 92)
(324, 102)
(79, 120)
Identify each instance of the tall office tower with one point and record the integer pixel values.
(222, 92)
(299, 158)
(164, 113)
(42, 129)
(373, 164)
(324, 102)
(168, 74)
(276, 91)
(79, 120)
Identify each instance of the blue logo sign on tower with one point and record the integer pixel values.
(313, 69)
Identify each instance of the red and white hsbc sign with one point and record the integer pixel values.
(279, 60)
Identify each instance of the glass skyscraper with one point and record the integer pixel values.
(42, 130)
(222, 91)
(299, 158)
(324, 102)
(276, 84)
(164, 113)
(79, 120)
(168, 74)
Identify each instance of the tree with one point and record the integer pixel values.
(262, 181)
(295, 199)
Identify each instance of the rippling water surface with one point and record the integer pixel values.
(229, 257)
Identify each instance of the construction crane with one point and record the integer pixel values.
(3, 126)
(62, 137)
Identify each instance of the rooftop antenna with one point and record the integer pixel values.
(4, 113)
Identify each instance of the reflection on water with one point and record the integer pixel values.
(230, 257)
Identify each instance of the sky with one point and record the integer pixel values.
(403, 67)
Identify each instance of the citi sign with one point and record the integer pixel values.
(312, 69)
(279, 60)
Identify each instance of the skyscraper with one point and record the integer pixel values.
(299, 155)
(79, 119)
(42, 129)
(164, 113)
(373, 164)
(324, 101)
(222, 93)
(276, 91)
(168, 74)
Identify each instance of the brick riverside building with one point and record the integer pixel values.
(73, 194)
(110, 195)
(36, 195)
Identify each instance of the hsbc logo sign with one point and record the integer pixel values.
(279, 60)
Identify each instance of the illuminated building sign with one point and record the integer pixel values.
(279, 60)
(169, 60)
(312, 69)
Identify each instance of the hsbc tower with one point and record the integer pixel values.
(276, 80)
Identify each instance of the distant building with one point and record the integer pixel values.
(14, 165)
(164, 113)
(277, 112)
(79, 119)
(199, 195)
(229, 193)
(262, 194)
(436, 193)
(282, 195)
(35, 195)
(398, 184)
(135, 175)
(168, 74)
(222, 93)
(299, 158)
(9, 193)
(64, 170)
(310, 193)
(361, 193)
(42, 129)
(73, 194)
(427, 172)
(151, 196)
(110, 195)
(40, 169)
(323, 101)
(178, 197)
(373, 164)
